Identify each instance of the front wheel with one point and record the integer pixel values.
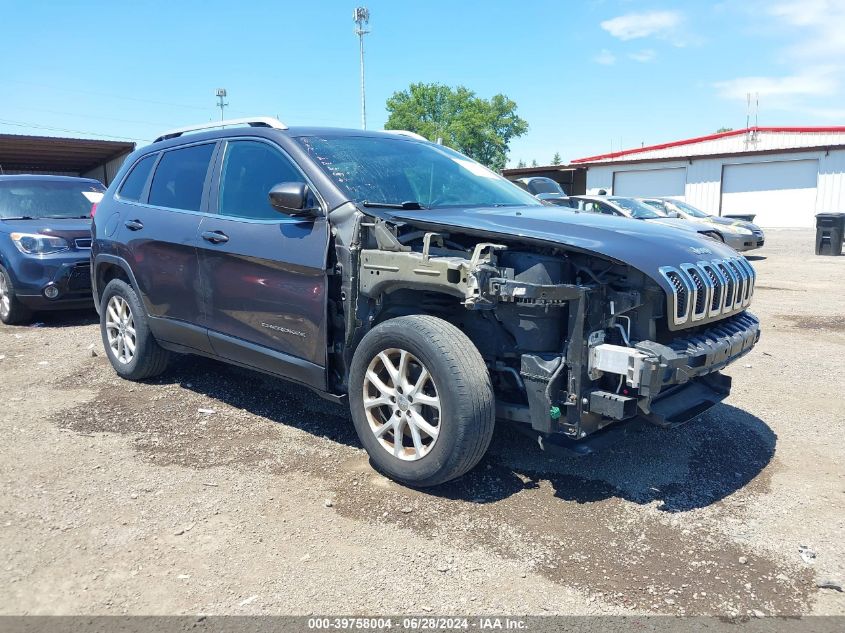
(421, 400)
(12, 311)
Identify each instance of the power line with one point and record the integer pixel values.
(110, 96)
(104, 118)
(35, 126)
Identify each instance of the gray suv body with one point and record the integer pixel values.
(430, 293)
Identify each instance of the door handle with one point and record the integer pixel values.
(215, 237)
(134, 225)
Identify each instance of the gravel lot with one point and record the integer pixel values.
(124, 498)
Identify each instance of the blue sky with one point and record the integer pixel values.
(588, 76)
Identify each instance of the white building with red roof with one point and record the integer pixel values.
(784, 175)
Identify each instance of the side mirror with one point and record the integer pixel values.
(673, 214)
(293, 198)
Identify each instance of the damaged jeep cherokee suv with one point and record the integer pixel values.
(429, 292)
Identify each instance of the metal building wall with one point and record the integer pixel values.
(704, 177)
(106, 173)
(831, 186)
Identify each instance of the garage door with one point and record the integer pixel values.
(650, 183)
(781, 193)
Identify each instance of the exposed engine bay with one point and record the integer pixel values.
(574, 341)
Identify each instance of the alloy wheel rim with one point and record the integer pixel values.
(5, 298)
(120, 329)
(402, 404)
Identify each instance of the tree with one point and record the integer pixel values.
(556, 159)
(534, 163)
(520, 164)
(724, 129)
(480, 128)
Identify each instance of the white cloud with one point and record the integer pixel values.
(605, 57)
(633, 26)
(643, 56)
(812, 83)
(831, 114)
(812, 40)
(819, 23)
(805, 12)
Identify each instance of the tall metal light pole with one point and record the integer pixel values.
(221, 94)
(361, 16)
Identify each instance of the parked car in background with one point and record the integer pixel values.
(414, 284)
(738, 234)
(545, 189)
(636, 210)
(45, 244)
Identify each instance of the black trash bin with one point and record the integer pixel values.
(830, 230)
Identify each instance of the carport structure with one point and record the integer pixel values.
(91, 158)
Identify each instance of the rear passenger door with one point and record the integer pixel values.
(264, 272)
(159, 231)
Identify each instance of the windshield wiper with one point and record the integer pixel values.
(17, 217)
(65, 217)
(409, 205)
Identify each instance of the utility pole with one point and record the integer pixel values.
(221, 95)
(361, 17)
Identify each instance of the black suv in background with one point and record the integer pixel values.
(45, 244)
(431, 293)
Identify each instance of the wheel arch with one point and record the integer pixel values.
(107, 267)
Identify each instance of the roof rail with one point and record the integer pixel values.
(256, 121)
(419, 137)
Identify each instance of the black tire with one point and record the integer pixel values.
(149, 358)
(461, 381)
(12, 311)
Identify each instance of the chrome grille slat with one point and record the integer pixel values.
(707, 289)
(731, 279)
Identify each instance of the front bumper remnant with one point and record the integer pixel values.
(677, 381)
(665, 384)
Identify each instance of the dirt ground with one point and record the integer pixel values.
(121, 498)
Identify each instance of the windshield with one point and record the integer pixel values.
(636, 208)
(395, 170)
(544, 185)
(47, 198)
(688, 208)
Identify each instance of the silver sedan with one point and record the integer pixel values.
(738, 234)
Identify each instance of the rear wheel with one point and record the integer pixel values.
(132, 350)
(421, 400)
(12, 311)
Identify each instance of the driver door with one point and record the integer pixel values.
(263, 272)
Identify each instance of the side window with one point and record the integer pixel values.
(250, 170)
(133, 186)
(179, 178)
(605, 209)
(589, 206)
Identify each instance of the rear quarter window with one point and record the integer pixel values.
(133, 186)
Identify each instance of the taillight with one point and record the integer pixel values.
(93, 209)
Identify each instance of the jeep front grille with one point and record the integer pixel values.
(705, 289)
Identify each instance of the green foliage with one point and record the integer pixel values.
(520, 164)
(534, 163)
(480, 128)
(556, 159)
(724, 129)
